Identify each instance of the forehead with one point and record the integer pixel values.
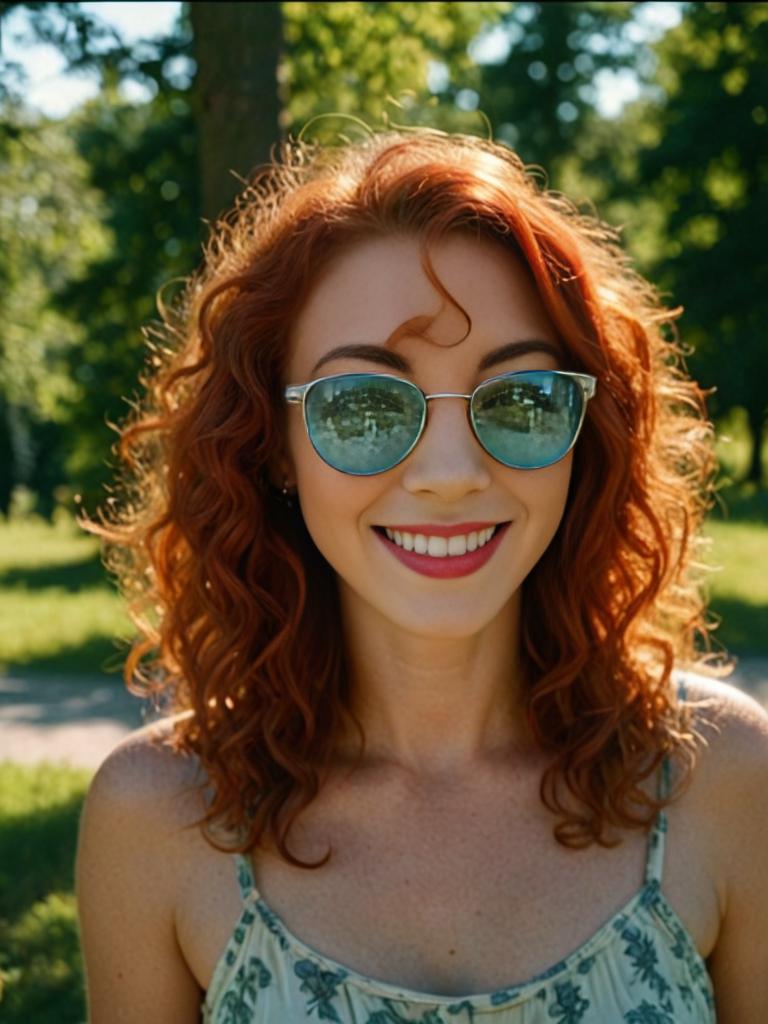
(376, 292)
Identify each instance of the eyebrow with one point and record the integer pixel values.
(377, 354)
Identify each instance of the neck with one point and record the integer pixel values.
(435, 706)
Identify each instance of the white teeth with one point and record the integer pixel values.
(457, 545)
(437, 547)
(440, 547)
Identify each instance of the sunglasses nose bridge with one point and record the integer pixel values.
(467, 402)
(449, 394)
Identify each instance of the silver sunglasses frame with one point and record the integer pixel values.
(296, 394)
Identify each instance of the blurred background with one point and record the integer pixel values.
(127, 126)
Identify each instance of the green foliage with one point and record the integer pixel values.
(113, 189)
(705, 162)
(734, 449)
(142, 160)
(127, 194)
(357, 58)
(540, 98)
(50, 221)
(41, 974)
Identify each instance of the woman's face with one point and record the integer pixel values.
(448, 480)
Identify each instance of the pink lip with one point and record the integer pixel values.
(434, 530)
(453, 565)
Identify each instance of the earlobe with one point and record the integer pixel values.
(286, 476)
(280, 473)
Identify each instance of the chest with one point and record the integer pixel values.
(451, 894)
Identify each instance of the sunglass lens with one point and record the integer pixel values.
(363, 424)
(528, 420)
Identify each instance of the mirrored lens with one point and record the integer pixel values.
(528, 420)
(363, 424)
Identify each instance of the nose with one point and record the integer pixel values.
(448, 460)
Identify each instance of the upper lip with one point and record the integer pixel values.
(438, 530)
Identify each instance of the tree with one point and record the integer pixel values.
(396, 62)
(131, 167)
(540, 96)
(706, 161)
(374, 61)
(142, 160)
(237, 50)
(50, 223)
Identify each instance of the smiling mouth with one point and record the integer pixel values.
(440, 547)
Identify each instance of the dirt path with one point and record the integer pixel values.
(56, 719)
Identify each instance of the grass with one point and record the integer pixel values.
(733, 448)
(41, 972)
(738, 530)
(59, 612)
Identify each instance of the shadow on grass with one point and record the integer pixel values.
(95, 655)
(85, 573)
(741, 503)
(40, 962)
(37, 852)
(99, 655)
(743, 628)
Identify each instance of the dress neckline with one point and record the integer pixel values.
(337, 974)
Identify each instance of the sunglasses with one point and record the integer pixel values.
(367, 423)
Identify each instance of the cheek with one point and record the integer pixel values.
(332, 505)
(547, 494)
(323, 518)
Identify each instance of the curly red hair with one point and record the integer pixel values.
(237, 612)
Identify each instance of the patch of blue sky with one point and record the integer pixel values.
(55, 91)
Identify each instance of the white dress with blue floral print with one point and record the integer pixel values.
(640, 967)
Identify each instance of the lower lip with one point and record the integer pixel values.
(451, 566)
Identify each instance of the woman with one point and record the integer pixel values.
(409, 527)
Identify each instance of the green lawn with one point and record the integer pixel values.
(738, 528)
(41, 974)
(740, 587)
(58, 610)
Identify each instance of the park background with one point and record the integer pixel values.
(122, 125)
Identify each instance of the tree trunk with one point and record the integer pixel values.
(756, 418)
(237, 50)
(7, 467)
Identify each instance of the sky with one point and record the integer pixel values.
(52, 91)
(55, 93)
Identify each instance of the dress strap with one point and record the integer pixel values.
(654, 864)
(655, 861)
(245, 879)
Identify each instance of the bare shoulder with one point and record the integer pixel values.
(128, 865)
(732, 759)
(733, 797)
(733, 724)
(139, 802)
(145, 775)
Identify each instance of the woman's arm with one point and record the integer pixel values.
(739, 962)
(125, 883)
